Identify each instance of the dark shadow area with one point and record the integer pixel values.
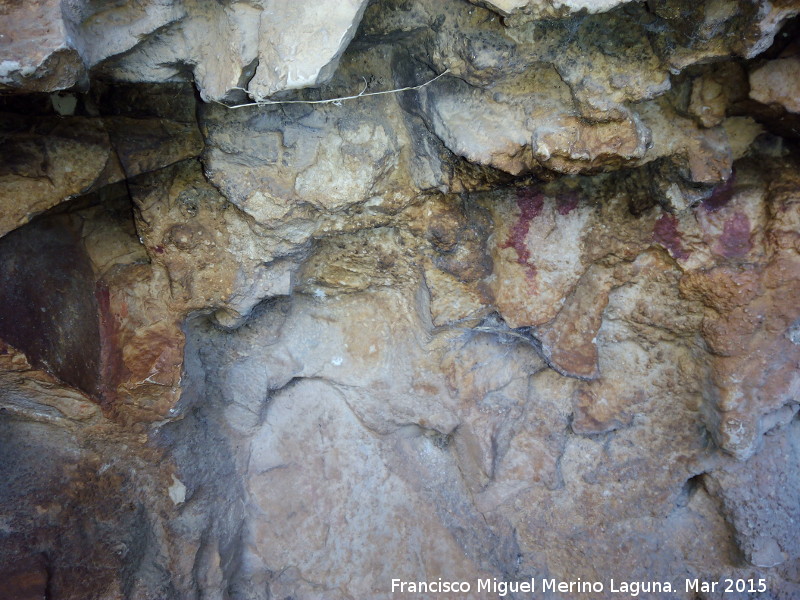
(48, 307)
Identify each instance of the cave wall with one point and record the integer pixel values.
(300, 298)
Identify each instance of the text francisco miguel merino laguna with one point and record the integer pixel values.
(532, 586)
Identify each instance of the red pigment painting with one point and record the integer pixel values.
(721, 195)
(735, 239)
(666, 233)
(111, 364)
(566, 203)
(530, 203)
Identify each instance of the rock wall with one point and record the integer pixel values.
(297, 299)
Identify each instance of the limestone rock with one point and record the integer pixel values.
(568, 342)
(213, 256)
(303, 46)
(37, 53)
(50, 159)
(289, 167)
(271, 46)
(776, 82)
(574, 111)
(760, 530)
(511, 294)
(714, 91)
(33, 165)
(526, 132)
(85, 489)
(51, 48)
(547, 9)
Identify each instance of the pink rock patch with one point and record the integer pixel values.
(735, 239)
(665, 232)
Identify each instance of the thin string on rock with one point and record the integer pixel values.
(336, 101)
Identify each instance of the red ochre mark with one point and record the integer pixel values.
(111, 362)
(530, 204)
(735, 239)
(159, 249)
(566, 203)
(666, 233)
(721, 195)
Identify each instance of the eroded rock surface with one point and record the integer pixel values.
(468, 290)
(52, 45)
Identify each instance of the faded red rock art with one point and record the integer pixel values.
(566, 203)
(530, 203)
(665, 232)
(721, 196)
(111, 362)
(735, 239)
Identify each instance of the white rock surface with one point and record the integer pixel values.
(549, 8)
(270, 44)
(778, 82)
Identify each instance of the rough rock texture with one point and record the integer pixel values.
(776, 82)
(272, 45)
(47, 158)
(531, 313)
(557, 8)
